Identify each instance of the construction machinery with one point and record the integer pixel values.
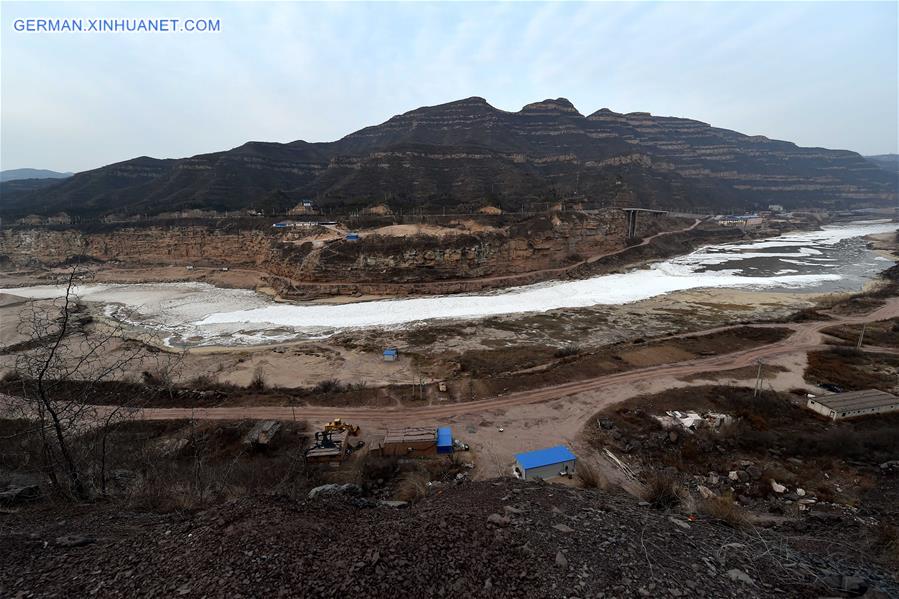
(337, 425)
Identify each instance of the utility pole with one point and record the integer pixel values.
(861, 336)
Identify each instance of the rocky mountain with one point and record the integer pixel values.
(17, 174)
(468, 154)
(889, 162)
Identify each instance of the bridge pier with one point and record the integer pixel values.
(631, 224)
(632, 219)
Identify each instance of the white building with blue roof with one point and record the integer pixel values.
(545, 463)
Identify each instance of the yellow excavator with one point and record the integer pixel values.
(338, 425)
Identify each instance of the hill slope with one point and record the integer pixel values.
(488, 539)
(17, 174)
(889, 162)
(466, 154)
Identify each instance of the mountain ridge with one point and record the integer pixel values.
(467, 154)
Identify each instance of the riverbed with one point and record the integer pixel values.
(834, 259)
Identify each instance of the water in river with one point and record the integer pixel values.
(834, 259)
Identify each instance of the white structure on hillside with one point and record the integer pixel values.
(854, 404)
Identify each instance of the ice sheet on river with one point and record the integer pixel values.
(199, 314)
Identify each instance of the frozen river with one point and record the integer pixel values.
(834, 259)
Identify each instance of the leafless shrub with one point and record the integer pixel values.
(886, 544)
(412, 487)
(662, 490)
(589, 475)
(62, 352)
(202, 382)
(723, 509)
(258, 383)
(329, 386)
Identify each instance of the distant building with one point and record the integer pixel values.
(352, 237)
(775, 208)
(744, 220)
(391, 354)
(545, 463)
(59, 219)
(854, 404)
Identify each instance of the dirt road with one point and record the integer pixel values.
(806, 337)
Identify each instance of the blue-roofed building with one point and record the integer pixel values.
(391, 354)
(545, 463)
(444, 439)
(352, 237)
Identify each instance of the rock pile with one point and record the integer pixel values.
(496, 538)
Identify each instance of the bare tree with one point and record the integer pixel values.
(62, 369)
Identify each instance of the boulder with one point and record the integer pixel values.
(739, 576)
(262, 433)
(497, 520)
(777, 487)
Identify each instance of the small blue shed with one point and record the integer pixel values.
(391, 354)
(444, 439)
(352, 237)
(545, 463)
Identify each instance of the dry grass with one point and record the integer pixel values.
(662, 490)
(886, 544)
(725, 510)
(258, 383)
(412, 487)
(589, 475)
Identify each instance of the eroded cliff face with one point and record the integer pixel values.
(334, 264)
(540, 243)
(146, 246)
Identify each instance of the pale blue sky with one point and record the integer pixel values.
(819, 74)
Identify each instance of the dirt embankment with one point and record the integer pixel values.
(854, 370)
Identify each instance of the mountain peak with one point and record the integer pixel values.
(551, 106)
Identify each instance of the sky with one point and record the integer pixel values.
(815, 73)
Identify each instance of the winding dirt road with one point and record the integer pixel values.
(806, 337)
